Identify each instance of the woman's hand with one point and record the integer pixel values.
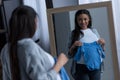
(101, 41)
(77, 43)
(61, 61)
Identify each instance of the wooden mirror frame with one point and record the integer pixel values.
(106, 4)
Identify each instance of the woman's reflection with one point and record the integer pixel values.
(86, 48)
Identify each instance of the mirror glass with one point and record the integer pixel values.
(61, 23)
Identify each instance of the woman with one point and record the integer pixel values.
(22, 58)
(83, 47)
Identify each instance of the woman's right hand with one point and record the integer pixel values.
(61, 61)
(77, 43)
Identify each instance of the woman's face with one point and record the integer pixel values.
(83, 21)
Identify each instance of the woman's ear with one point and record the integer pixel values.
(36, 22)
(36, 19)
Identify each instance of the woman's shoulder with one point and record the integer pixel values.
(94, 30)
(27, 44)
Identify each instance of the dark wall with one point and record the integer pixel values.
(6, 9)
(9, 6)
(49, 4)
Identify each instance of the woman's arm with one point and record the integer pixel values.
(101, 40)
(36, 64)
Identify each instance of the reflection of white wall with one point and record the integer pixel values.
(62, 29)
(72, 19)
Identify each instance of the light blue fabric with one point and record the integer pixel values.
(63, 74)
(92, 53)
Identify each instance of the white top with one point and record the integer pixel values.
(89, 36)
(52, 61)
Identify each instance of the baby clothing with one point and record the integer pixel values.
(92, 53)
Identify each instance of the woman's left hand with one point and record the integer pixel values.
(101, 41)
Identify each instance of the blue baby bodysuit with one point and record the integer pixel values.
(92, 53)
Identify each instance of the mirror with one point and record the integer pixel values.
(61, 23)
